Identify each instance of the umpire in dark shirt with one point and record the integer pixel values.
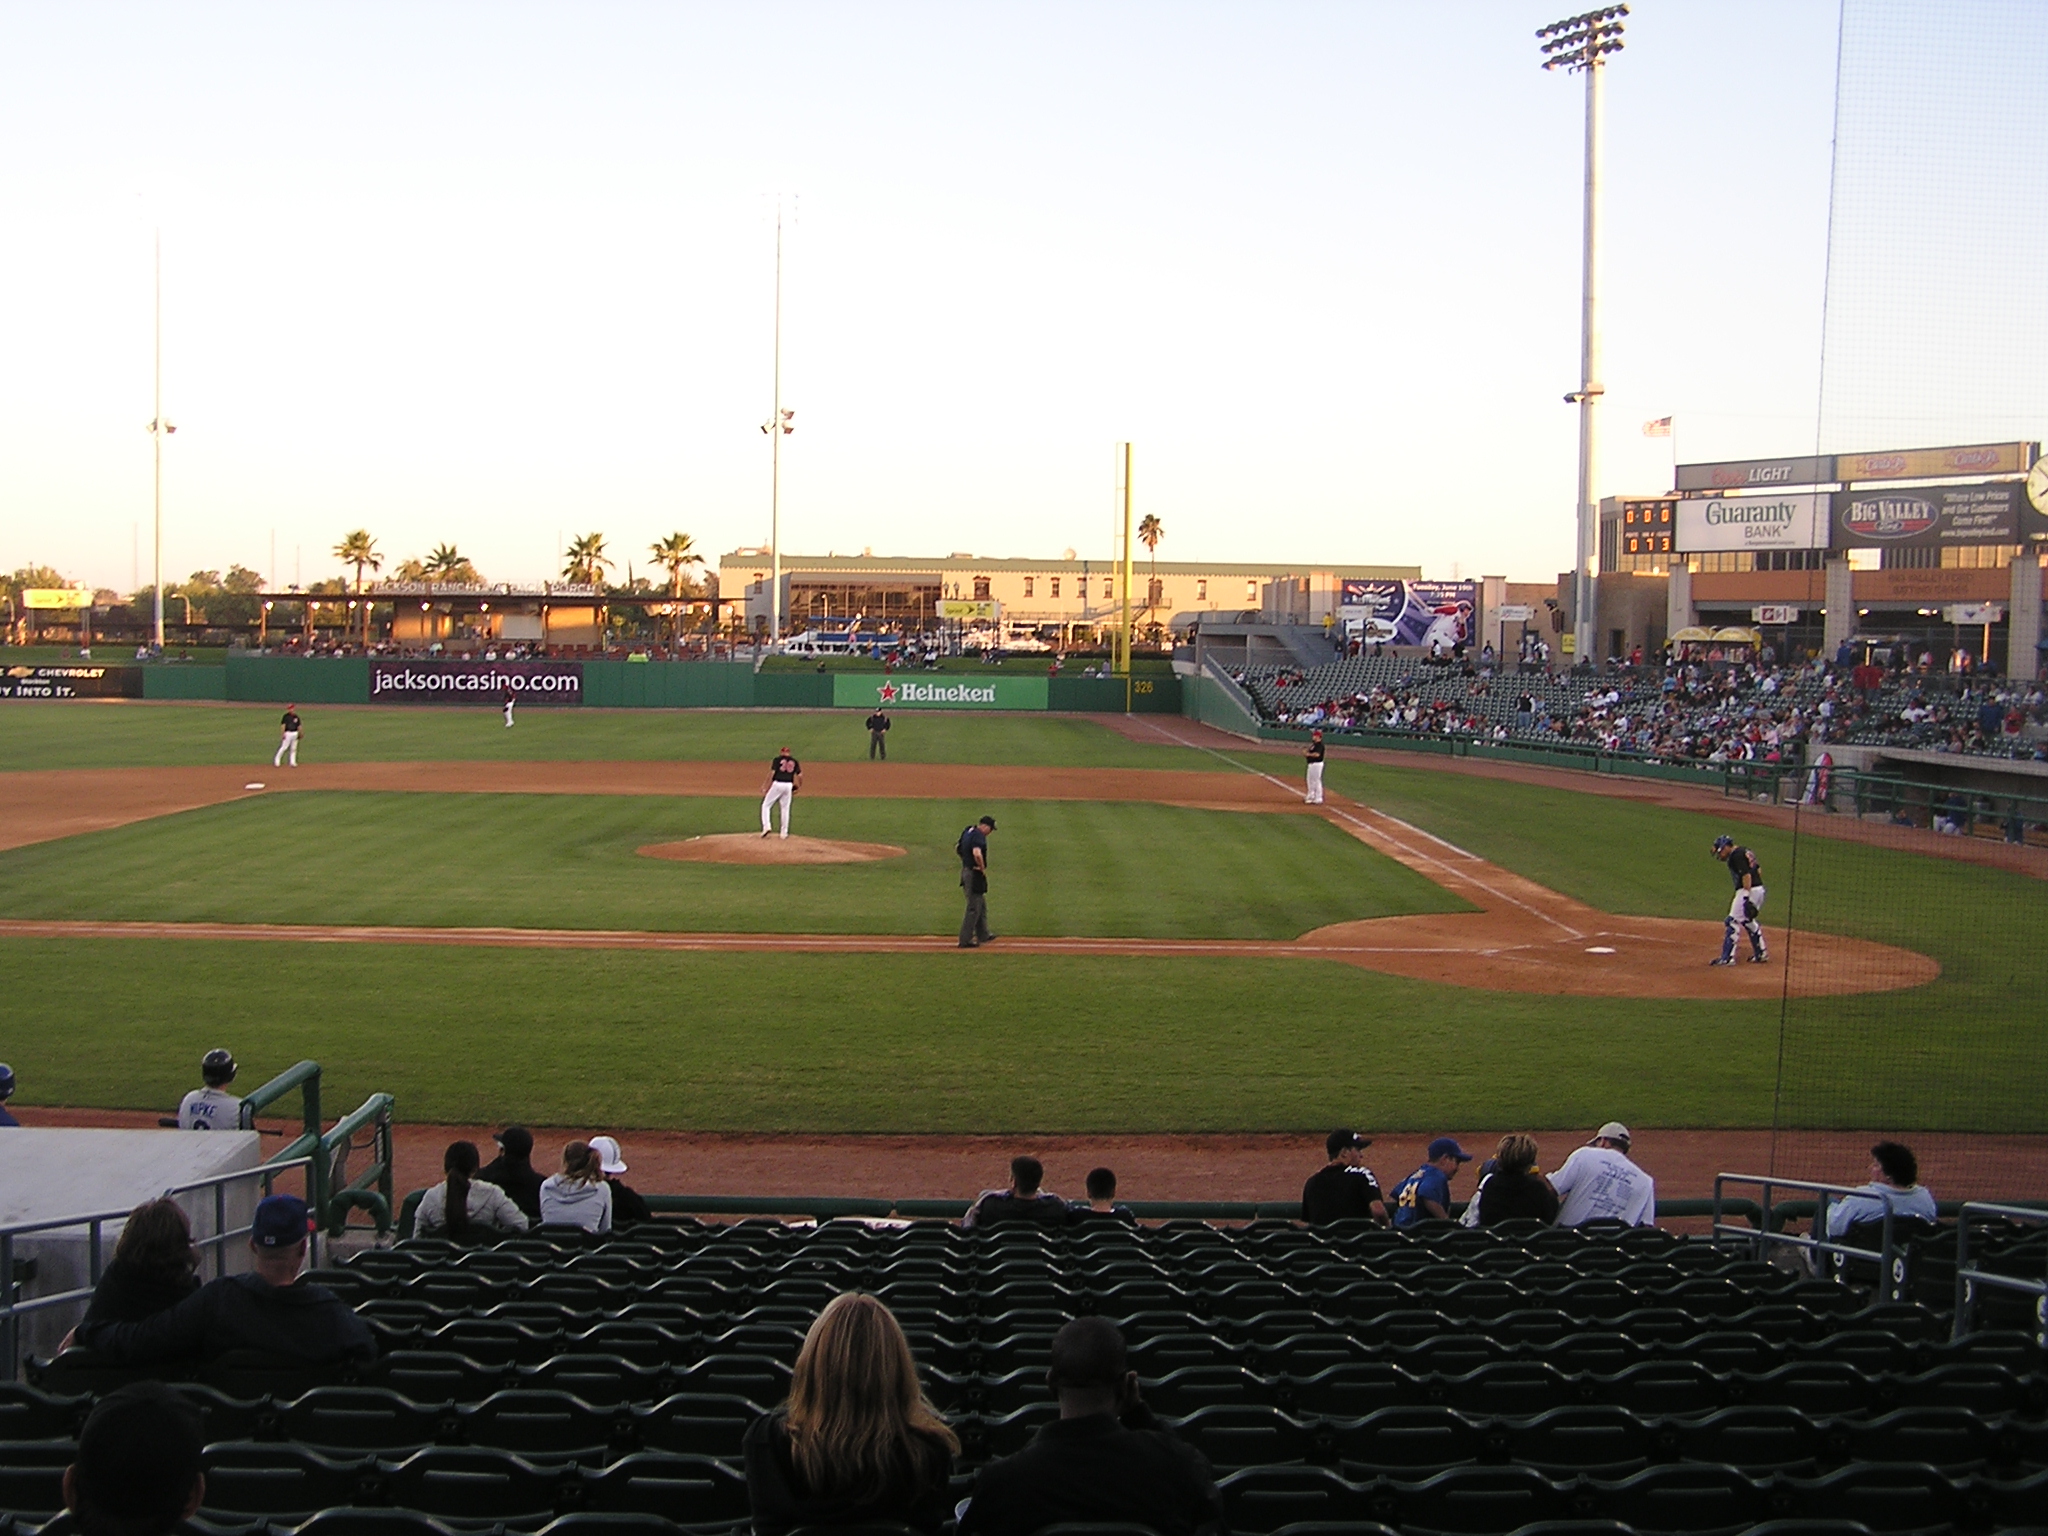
(878, 735)
(1105, 1458)
(973, 851)
(1346, 1189)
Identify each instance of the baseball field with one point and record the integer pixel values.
(482, 922)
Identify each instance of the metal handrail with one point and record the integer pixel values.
(1890, 1272)
(332, 1212)
(1968, 1277)
(11, 1310)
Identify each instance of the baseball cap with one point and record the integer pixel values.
(516, 1140)
(1613, 1130)
(1446, 1146)
(1344, 1141)
(280, 1222)
(610, 1158)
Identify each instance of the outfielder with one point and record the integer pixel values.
(785, 778)
(212, 1108)
(1314, 754)
(1749, 900)
(511, 698)
(288, 737)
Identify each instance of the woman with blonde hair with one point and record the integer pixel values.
(856, 1441)
(1516, 1189)
(577, 1196)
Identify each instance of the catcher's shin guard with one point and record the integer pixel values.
(1728, 925)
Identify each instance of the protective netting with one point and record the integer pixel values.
(1956, 1066)
(1936, 327)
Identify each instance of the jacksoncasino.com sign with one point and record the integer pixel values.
(475, 682)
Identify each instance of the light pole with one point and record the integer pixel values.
(158, 430)
(780, 419)
(1581, 45)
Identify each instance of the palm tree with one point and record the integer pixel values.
(443, 561)
(675, 552)
(360, 550)
(1150, 532)
(587, 562)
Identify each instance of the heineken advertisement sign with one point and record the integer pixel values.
(941, 690)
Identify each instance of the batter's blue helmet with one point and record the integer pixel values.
(6, 1082)
(217, 1067)
(1723, 843)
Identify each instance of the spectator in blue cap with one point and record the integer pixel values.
(1426, 1193)
(273, 1310)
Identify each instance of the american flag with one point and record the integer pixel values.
(1661, 427)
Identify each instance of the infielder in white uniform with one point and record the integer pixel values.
(511, 698)
(1314, 754)
(288, 737)
(785, 778)
(212, 1108)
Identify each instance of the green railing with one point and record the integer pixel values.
(330, 1192)
(1905, 801)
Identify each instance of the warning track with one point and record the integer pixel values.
(1523, 937)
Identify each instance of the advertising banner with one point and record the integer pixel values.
(1975, 613)
(1411, 612)
(1755, 474)
(967, 610)
(1933, 463)
(82, 681)
(56, 597)
(1934, 516)
(425, 681)
(941, 690)
(1773, 614)
(1796, 521)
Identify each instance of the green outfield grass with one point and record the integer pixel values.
(134, 734)
(568, 861)
(988, 1041)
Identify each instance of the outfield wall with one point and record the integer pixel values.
(246, 678)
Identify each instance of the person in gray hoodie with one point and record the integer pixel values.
(578, 1196)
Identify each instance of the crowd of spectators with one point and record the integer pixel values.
(1701, 711)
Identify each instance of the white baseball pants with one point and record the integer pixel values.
(778, 793)
(1315, 783)
(288, 747)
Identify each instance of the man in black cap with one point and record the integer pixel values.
(137, 1472)
(272, 1309)
(512, 1170)
(1105, 1458)
(1345, 1190)
(973, 851)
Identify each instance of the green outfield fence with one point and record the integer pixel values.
(258, 679)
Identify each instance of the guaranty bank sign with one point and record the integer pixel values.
(947, 691)
(1798, 521)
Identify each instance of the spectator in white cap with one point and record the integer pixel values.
(627, 1205)
(1599, 1183)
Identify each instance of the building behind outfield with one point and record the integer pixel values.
(1065, 599)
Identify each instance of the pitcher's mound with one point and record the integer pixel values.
(752, 848)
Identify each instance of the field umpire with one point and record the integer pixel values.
(878, 735)
(973, 851)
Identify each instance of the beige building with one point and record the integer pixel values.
(1068, 598)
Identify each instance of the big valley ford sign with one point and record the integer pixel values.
(947, 690)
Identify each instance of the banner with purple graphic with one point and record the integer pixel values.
(1412, 612)
(423, 681)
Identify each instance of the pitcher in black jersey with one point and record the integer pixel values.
(1748, 875)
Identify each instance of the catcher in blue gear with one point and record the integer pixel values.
(1748, 874)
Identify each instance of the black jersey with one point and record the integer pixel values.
(1743, 862)
(1315, 752)
(784, 769)
(289, 720)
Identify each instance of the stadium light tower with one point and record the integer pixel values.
(1580, 45)
(778, 426)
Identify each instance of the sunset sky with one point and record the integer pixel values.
(499, 275)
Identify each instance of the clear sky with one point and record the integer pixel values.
(498, 274)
